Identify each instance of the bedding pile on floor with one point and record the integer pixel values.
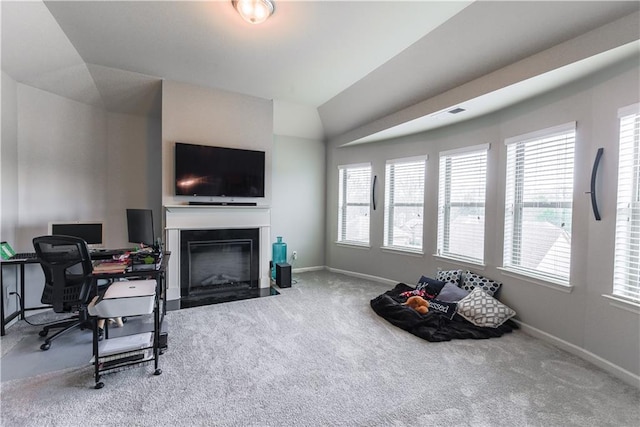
(460, 308)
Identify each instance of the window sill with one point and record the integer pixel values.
(536, 281)
(623, 303)
(460, 261)
(354, 245)
(402, 251)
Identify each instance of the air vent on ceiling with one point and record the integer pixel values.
(456, 110)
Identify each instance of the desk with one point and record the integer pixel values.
(19, 264)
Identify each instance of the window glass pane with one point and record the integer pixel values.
(538, 211)
(461, 204)
(353, 203)
(626, 280)
(404, 203)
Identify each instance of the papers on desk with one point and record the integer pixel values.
(110, 266)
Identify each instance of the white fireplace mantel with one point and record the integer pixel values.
(188, 217)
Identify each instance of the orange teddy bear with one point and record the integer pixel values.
(418, 303)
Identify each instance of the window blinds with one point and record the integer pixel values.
(404, 203)
(354, 197)
(627, 239)
(539, 195)
(461, 203)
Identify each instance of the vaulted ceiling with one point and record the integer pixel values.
(354, 62)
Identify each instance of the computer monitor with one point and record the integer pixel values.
(140, 226)
(90, 232)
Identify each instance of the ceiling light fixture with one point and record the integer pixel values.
(254, 11)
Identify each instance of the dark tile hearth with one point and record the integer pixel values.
(227, 296)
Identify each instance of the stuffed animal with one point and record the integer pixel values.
(418, 303)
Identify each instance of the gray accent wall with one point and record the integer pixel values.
(298, 202)
(67, 161)
(583, 320)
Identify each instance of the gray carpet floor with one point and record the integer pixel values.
(316, 355)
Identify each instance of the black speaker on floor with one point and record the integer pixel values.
(283, 275)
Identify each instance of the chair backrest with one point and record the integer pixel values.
(67, 268)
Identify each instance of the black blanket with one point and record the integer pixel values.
(432, 326)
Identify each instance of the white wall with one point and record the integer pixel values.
(9, 179)
(582, 318)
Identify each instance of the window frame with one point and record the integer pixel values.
(512, 257)
(445, 204)
(389, 203)
(626, 245)
(343, 207)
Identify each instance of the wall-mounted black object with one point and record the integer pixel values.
(594, 173)
(223, 204)
(373, 191)
(204, 170)
(283, 275)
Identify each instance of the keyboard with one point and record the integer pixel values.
(24, 255)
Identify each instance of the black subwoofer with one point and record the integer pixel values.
(283, 275)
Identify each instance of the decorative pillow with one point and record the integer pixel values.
(449, 276)
(472, 281)
(447, 309)
(484, 310)
(452, 293)
(431, 287)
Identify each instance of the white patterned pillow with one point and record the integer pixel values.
(484, 310)
(473, 280)
(449, 276)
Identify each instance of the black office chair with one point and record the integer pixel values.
(67, 271)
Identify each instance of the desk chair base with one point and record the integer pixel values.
(66, 325)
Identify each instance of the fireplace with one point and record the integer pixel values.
(217, 264)
(224, 241)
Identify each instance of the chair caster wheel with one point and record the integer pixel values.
(45, 346)
(43, 333)
(99, 385)
(157, 371)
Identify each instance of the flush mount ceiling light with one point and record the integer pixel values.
(254, 11)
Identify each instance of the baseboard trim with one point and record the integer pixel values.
(615, 370)
(305, 269)
(364, 276)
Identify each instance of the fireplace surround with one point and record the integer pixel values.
(213, 225)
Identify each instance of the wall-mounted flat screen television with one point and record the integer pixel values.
(203, 170)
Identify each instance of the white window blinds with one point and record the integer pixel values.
(461, 202)
(354, 197)
(404, 203)
(627, 240)
(539, 196)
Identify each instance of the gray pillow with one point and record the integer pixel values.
(451, 293)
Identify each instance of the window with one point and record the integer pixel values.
(404, 203)
(353, 203)
(539, 195)
(626, 273)
(461, 200)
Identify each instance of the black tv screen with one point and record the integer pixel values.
(203, 170)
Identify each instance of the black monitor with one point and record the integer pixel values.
(140, 226)
(90, 232)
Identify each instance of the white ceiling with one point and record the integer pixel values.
(355, 62)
